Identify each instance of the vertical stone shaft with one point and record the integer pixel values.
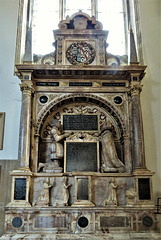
(137, 129)
(25, 126)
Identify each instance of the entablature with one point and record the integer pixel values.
(82, 72)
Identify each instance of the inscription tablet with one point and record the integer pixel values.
(47, 84)
(114, 221)
(82, 189)
(81, 156)
(80, 84)
(144, 188)
(50, 222)
(20, 189)
(80, 122)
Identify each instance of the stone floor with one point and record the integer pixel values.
(120, 236)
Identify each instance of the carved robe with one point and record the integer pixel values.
(111, 162)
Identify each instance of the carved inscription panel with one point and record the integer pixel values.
(80, 122)
(82, 189)
(81, 156)
(144, 189)
(20, 189)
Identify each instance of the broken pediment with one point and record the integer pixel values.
(80, 21)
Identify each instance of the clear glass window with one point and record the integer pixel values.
(111, 14)
(76, 5)
(46, 18)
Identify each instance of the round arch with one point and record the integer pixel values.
(82, 98)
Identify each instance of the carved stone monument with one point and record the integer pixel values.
(83, 168)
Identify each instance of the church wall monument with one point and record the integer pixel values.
(81, 146)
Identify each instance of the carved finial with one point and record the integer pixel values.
(28, 57)
(133, 55)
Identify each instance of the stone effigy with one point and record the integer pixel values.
(66, 191)
(111, 162)
(112, 198)
(43, 198)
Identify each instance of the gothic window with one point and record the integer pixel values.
(43, 16)
(47, 13)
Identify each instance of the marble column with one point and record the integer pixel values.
(127, 156)
(25, 126)
(34, 159)
(138, 152)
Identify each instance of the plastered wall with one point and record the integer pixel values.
(151, 94)
(10, 95)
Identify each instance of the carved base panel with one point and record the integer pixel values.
(83, 220)
(104, 236)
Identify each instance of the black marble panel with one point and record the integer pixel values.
(40, 72)
(81, 156)
(47, 84)
(54, 72)
(67, 72)
(114, 222)
(82, 189)
(147, 221)
(113, 84)
(20, 189)
(80, 122)
(95, 72)
(17, 222)
(80, 84)
(83, 222)
(26, 77)
(144, 188)
(135, 78)
(80, 72)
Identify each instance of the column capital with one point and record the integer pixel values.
(26, 89)
(135, 89)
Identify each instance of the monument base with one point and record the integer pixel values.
(105, 236)
(81, 223)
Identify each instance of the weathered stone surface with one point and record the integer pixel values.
(115, 236)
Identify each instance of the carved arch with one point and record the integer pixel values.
(85, 98)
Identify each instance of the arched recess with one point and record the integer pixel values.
(79, 103)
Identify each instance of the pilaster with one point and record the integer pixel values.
(138, 151)
(25, 123)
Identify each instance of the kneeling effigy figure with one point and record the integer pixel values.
(56, 150)
(110, 160)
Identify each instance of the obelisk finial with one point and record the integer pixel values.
(133, 60)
